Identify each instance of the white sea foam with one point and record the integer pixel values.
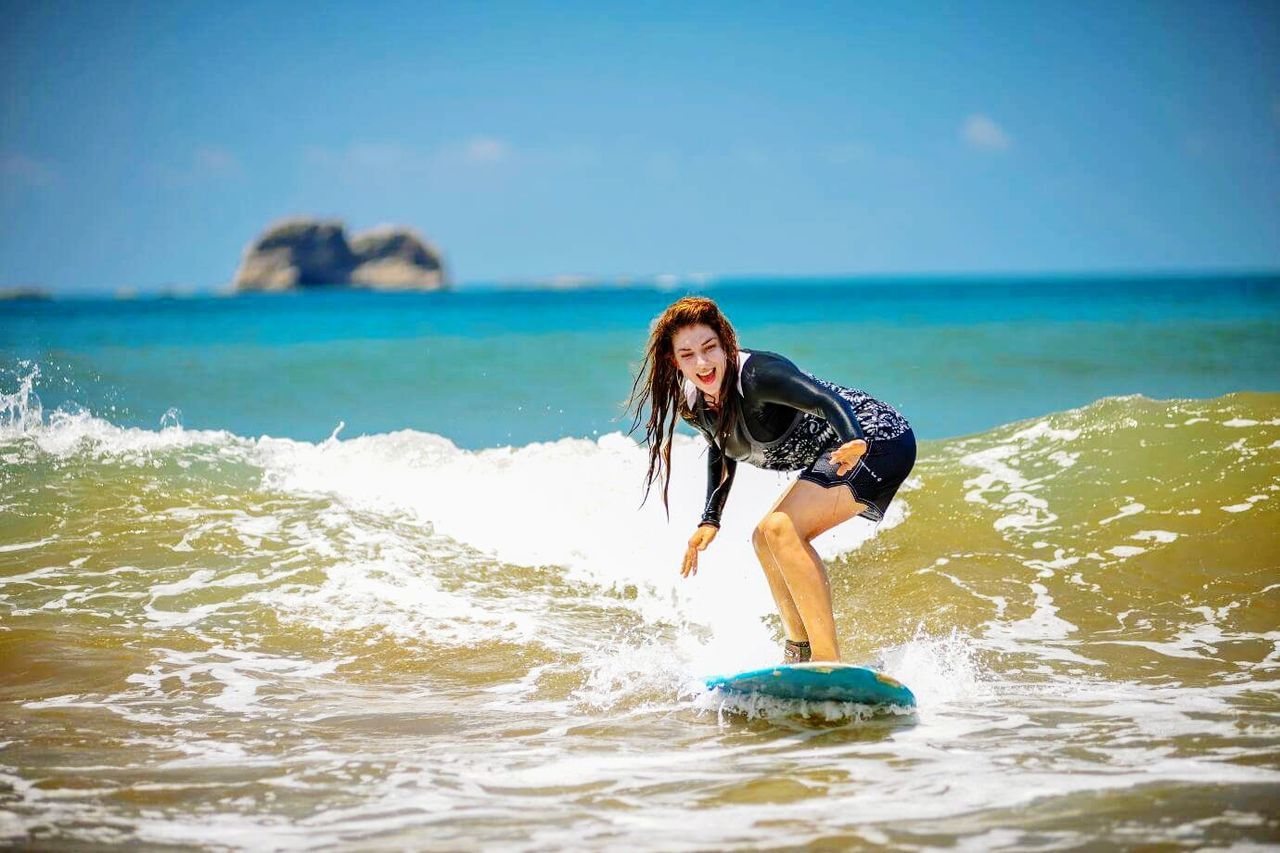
(1249, 422)
(21, 411)
(1131, 508)
(1247, 504)
(939, 668)
(1162, 537)
(1042, 430)
(25, 546)
(572, 503)
(1001, 482)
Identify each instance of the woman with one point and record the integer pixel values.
(853, 452)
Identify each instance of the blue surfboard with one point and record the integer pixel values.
(836, 682)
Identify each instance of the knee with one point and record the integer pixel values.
(773, 529)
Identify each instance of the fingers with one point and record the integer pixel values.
(846, 456)
(690, 565)
(697, 542)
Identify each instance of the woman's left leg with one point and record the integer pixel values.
(804, 512)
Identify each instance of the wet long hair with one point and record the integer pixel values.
(657, 387)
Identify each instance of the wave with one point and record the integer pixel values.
(1124, 539)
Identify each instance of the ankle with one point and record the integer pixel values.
(796, 651)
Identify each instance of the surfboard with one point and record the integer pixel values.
(837, 682)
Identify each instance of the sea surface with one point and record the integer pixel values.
(346, 570)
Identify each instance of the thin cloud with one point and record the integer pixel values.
(21, 169)
(207, 163)
(980, 132)
(485, 149)
(217, 163)
(390, 161)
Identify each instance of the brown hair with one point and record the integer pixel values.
(658, 385)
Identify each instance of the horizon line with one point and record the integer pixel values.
(654, 280)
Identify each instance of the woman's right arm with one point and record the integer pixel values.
(720, 472)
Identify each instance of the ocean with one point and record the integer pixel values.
(371, 571)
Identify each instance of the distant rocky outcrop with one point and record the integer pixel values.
(303, 253)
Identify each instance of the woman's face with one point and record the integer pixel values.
(700, 358)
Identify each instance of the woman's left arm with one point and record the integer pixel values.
(774, 379)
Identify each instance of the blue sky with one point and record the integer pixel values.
(146, 144)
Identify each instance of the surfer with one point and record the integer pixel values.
(852, 451)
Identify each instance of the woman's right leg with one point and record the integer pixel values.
(807, 510)
(792, 624)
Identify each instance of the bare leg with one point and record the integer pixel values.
(804, 512)
(806, 579)
(792, 624)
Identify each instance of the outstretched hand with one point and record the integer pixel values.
(700, 539)
(847, 455)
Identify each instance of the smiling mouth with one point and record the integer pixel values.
(707, 378)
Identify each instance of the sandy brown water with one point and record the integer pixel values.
(234, 643)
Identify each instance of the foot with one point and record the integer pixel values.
(796, 652)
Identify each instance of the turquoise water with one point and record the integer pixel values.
(487, 367)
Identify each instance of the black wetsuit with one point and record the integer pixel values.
(793, 420)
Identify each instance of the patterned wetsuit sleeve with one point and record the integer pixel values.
(717, 486)
(776, 380)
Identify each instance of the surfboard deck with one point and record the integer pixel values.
(837, 682)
